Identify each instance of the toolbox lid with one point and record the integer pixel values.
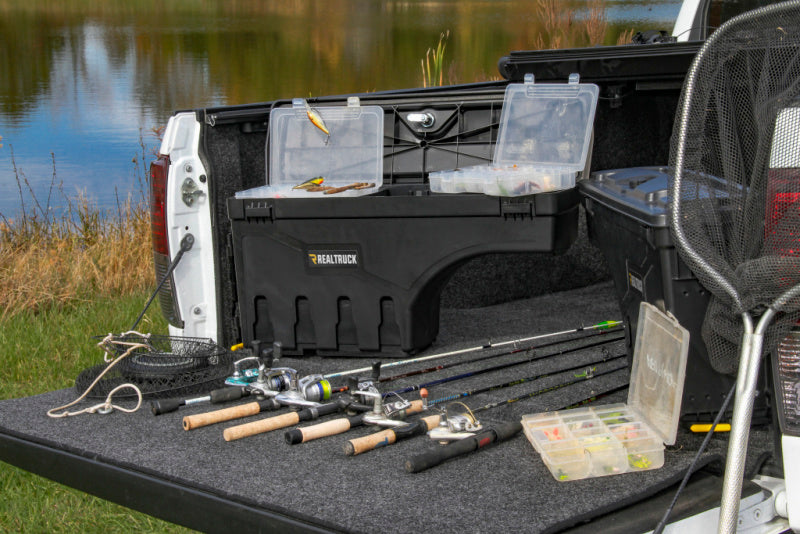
(659, 370)
(637, 192)
(547, 124)
(342, 145)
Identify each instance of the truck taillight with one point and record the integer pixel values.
(159, 173)
(159, 170)
(787, 382)
(782, 239)
(784, 203)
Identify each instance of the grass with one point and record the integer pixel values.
(433, 64)
(64, 279)
(557, 25)
(42, 351)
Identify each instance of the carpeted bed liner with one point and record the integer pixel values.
(502, 488)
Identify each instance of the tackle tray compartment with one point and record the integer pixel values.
(360, 275)
(299, 150)
(544, 140)
(626, 213)
(623, 437)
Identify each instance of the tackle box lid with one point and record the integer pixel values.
(658, 371)
(299, 150)
(547, 124)
(544, 137)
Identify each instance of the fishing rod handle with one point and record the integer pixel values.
(279, 421)
(191, 422)
(432, 458)
(260, 427)
(321, 430)
(227, 394)
(388, 437)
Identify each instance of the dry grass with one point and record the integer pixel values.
(82, 254)
(561, 29)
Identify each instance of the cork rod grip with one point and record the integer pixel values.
(190, 422)
(367, 443)
(389, 436)
(259, 427)
(328, 428)
(416, 407)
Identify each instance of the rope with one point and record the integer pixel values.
(107, 406)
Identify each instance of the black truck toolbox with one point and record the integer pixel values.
(362, 275)
(627, 219)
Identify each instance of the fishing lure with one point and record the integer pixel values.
(316, 120)
(313, 182)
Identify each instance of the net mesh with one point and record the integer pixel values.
(160, 366)
(739, 188)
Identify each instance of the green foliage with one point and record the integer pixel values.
(46, 350)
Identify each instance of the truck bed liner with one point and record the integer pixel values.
(261, 483)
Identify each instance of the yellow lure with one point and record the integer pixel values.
(310, 183)
(316, 119)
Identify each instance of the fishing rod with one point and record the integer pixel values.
(338, 426)
(501, 366)
(604, 325)
(479, 359)
(424, 425)
(286, 420)
(498, 433)
(253, 408)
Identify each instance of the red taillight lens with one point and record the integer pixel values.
(159, 169)
(782, 238)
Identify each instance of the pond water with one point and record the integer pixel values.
(83, 83)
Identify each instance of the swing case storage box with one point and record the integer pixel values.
(626, 213)
(363, 274)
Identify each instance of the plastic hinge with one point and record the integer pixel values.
(257, 211)
(518, 208)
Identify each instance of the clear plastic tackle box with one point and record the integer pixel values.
(618, 438)
(324, 152)
(544, 137)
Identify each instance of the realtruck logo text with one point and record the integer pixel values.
(333, 258)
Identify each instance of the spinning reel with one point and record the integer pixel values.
(455, 425)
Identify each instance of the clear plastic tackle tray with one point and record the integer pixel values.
(323, 152)
(543, 142)
(619, 438)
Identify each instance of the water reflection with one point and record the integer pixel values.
(83, 78)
